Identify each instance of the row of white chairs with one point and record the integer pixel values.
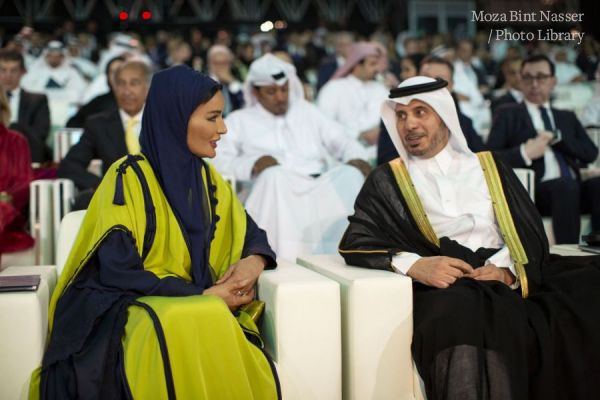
(49, 202)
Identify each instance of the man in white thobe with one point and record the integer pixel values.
(53, 75)
(352, 95)
(301, 193)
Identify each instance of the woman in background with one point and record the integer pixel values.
(15, 176)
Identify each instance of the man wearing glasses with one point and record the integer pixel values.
(554, 144)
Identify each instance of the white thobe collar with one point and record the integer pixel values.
(440, 163)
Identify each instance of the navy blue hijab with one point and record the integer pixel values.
(174, 95)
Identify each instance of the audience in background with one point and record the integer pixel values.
(552, 143)
(110, 135)
(101, 103)
(29, 112)
(53, 75)
(219, 61)
(353, 95)
(511, 90)
(227, 55)
(15, 176)
(291, 151)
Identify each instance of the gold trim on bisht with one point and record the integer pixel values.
(504, 217)
(406, 186)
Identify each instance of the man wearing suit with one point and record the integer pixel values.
(219, 60)
(433, 67)
(30, 112)
(511, 72)
(110, 135)
(554, 144)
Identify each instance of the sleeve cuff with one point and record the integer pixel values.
(524, 155)
(502, 259)
(402, 262)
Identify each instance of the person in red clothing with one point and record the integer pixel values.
(15, 176)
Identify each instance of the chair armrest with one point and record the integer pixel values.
(301, 327)
(377, 328)
(24, 322)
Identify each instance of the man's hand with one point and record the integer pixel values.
(535, 147)
(362, 166)
(370, 136)
(263, 163)
(224, 75)
(491, 272)
(439, 272)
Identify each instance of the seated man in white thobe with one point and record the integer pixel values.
(352, 95)
(53, 75)
(301, 200)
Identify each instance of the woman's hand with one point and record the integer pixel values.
(491, 272)
(236, 286)
(230, 296)
(244, 273)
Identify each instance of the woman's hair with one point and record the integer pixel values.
(4, 109)
(416, 60)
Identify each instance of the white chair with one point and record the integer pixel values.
(301, 327)
(527, 178)
(377, 328)
(64, 139)
(24, 322)
(42, 220)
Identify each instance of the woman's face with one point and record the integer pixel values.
(407, 69)
(206, 126)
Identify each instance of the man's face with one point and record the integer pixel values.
(537, 82)
(436, 70)
(274, 98)
(422, 131)
(112, 70)
(219, 62)
(464, 51)
(512, 74)
(367, 70)
(10, 74)
(342, 44)
(54, 59)
(131, 89)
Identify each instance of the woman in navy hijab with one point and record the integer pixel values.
(153, 299)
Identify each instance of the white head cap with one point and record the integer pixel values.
(269, 70)
(436, 95)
